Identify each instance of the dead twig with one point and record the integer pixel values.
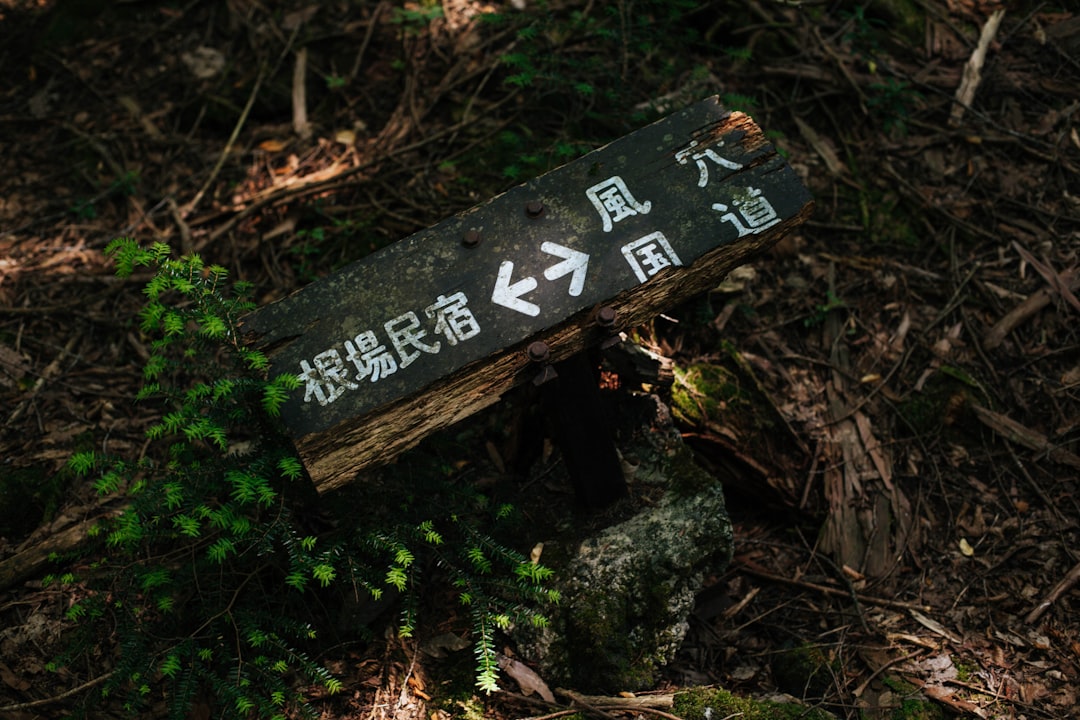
(1016, 317)
(301, 125)
(965, 94)
(190, 207)
(45, 376)
(56, 698)
(584, 703)
(1013, 431)
(836, 592)
(1071, 578)
(1060, 283)
(857, 692)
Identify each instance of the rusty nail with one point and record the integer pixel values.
(534, 208)
(538, 351)
(547, 373)
(612, 341)
(472, 238)
(605, 316)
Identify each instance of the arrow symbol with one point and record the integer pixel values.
(509, 294)
(574, 262)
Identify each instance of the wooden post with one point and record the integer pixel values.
(436, 327)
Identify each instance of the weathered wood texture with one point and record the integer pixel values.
(434, 328)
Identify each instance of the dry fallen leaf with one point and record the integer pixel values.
(526, 678)
(965, 548)
(204, 62)
(273, 145)
(12, 680)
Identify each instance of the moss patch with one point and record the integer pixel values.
(913, 706)
(704, 703)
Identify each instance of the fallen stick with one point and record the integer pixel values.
(1070, 579)
(836, 592)
(965, 94)
(1062, 284)
(1022, 435)
(1016, 317)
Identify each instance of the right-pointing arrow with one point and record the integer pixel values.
(575, 264)
(509, 294)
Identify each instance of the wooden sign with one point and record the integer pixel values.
(432, 329)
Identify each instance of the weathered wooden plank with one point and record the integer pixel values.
(434, 328)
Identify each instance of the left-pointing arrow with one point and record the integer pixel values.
(574, 261)
(509, 294)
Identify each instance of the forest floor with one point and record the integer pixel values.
(916, 524)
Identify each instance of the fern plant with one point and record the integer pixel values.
(205, 582)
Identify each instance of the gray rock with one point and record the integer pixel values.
(628, 590)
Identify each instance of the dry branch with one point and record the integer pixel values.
(1013, 431)
(1067, 582)
(965, 94)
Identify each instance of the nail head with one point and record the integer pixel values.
(534, 208)
(538, 351)
(472, 238)
(605, 316)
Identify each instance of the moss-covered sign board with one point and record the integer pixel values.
(431, 329)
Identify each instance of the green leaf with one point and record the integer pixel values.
(169, 666)
(187, 525)
(430, 534)
(172, 323)
(174, 494)
(273, 397)
(288, 381)
(155, 578)
(223, 388)
(479, 560)
(254, 359)
(220, 550)
(154, 367)
(214, 327)
(397, 578)
(324, 573)
(148, 391)
(403, 557)
(291, 468)
(82, 462)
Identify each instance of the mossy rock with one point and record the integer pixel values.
(628, 590)
(715, 703)
(702, 392)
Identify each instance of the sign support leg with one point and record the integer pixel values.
(583, 433)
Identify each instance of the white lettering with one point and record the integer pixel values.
(327, 380)
(613, 200)
(455, 321)
(699, 159)
(649, 255)
(757, 212)
(405, 332)
(371, 358)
